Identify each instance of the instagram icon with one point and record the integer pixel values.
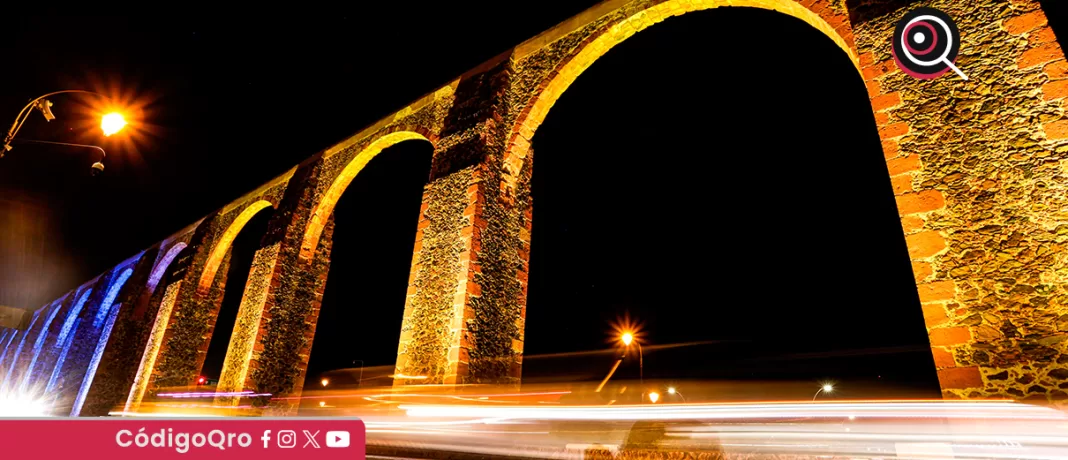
(287, 439)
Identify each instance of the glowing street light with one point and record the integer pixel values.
(325, 382)
(675, 392)
(654, 397)
(628, 338)
(112, 123)
(826, 388)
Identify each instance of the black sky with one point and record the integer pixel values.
(714, 183)
(741, 197)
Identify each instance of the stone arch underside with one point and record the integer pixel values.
(164, 327)
(564, 74)
(155, 329)
(222, 246)
(326, 205)
(241, 353)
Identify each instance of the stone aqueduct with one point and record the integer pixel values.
(979, 169)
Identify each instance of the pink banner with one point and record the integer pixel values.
(220, 438)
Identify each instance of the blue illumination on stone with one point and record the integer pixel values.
(161, 266)
(113, 291)
(71, 318)
(8, 345)
(39, 343)
(3, 337)
(83, 390)
(62, 355)
(22, 343)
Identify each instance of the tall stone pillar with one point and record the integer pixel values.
(979, 169)
(269, 350)
(463, 318)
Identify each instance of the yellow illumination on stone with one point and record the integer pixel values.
(566, 74)
(223, 245)
(326, 204)
(155, 340)
(243, 340)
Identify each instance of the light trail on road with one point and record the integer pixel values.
(569, 421)
(859, 429)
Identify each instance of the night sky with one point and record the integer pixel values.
(718, 185)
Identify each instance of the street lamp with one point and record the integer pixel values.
(826, 388)
(325, 382)
(675, 391)
(628, 338)
(110, 124)
(654, 397)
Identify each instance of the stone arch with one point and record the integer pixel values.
(566, 72)
(218, 252)
(157, 325)
(325, 207)
(162, 265)
(157, 273)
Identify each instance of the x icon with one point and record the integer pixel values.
(311, 439)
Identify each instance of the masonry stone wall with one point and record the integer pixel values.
(978, 170)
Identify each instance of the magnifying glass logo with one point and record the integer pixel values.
(926, 44)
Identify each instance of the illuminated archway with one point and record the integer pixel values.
(223, 245)
(325, 208)
(161, 266)
(567, 72)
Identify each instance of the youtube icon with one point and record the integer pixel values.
(337, 439)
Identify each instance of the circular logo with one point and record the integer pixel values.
(926, 43)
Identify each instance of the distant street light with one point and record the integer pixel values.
(628, 338)
(654, 397)
(826, 388)
(110, 124)
(325, 382)
(675, 391)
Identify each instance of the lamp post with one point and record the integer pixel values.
(628, 338)
(675, 391)
(110, 124)
(359, 381)
(826, 388)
